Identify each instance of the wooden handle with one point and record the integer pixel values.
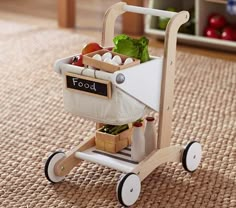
(168, 76)
(109, 23)
(121, 7)
(149, 11)
(168, 73)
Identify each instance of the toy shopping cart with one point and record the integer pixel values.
(127, 95)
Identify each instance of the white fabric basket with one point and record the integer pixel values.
(120, 109)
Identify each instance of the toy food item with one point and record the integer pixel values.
(77, 61)
(135, 48)
(217, 21)
(109, 48)
(138, 143)
(108, 60)
(97, 57)
(234, 34)
(117, 59)
(212, 33)
(106, 55)
(91, 47)
(113, 138)
(219, 28)
(150, 135)
(128, 61)
(114, 130)
(227, 34)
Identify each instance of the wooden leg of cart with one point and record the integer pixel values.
(66, 164)
(149, 164)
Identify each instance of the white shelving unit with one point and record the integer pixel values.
(203, 8)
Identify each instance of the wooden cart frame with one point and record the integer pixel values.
(164, 152)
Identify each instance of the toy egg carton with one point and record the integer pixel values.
(89, 61)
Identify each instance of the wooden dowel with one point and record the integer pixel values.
(133, 23)
(66, 13)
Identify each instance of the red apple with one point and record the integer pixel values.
(227, 33)
(234, 35)
(109, 48)
(91, 47)
(77, 60)
(217, 21)
(233, 26)
(212, 33)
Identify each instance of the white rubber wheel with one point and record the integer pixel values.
(128, 189)
(192, 156)
(50, 165)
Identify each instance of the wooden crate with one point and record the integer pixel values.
(89, 61)
(113, 143)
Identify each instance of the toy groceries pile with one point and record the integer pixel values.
(126, 51)
(123, 44)
(218, 27)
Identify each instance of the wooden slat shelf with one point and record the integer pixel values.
(218, 1)
(120, 161)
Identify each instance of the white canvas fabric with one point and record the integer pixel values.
(120, 109)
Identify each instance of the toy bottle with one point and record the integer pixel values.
(150, 136)
(138, 143)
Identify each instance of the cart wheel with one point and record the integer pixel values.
(49, 167)
(192, 156)
(128, 189)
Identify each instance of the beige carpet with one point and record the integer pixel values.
(33, 124)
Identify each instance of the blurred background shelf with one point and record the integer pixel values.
(218, 1)
(201, 10)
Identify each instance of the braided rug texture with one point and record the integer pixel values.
(33, 124)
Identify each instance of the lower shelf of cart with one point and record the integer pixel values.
(120, 161)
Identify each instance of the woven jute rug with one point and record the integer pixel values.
(33, 124)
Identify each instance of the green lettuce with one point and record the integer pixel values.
(136, 48)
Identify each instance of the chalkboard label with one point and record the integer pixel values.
(88, 85)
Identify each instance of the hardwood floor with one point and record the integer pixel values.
(88, 20)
